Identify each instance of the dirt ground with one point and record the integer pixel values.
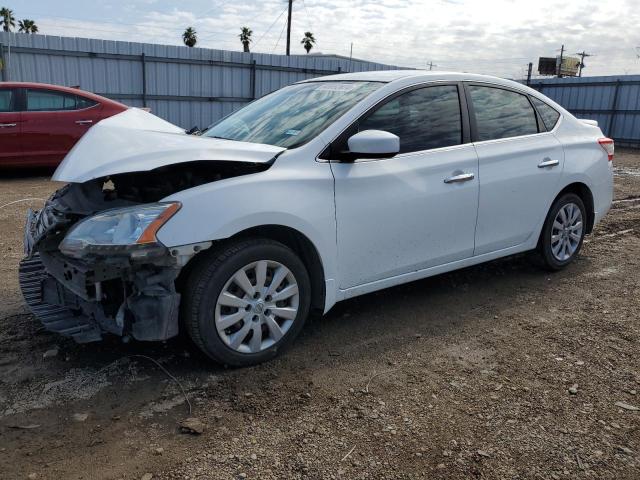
(500, 371)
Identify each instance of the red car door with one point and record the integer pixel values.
(52, 123)
(10, 149)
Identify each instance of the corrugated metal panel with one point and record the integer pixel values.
(176, 74)
(614, 101)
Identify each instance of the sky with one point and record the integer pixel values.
(497, 37)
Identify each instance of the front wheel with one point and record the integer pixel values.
(247, 301)
(563, 232)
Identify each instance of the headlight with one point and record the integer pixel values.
(114, 231)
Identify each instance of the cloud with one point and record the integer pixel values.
(493, 36)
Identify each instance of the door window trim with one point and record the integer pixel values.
(326, 155)
(472, 117)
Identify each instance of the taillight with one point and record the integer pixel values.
(608, 146)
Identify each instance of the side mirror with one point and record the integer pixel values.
(373, 144)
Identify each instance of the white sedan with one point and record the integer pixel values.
(321, 191)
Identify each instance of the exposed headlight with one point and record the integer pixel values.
(119, 230)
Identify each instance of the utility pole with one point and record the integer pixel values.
(582, 56)
(529, 74)
(289, 28)
(351, 52)
(559, 69)
(431, 65)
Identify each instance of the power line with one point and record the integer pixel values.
(270, 27)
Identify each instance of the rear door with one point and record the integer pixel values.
(53, 122)
(520, 166)
(10, 151)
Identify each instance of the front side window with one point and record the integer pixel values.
(501, 113)
(292, 115)
(549, 115)
(49, 100)
(423, 119)
(6, 97)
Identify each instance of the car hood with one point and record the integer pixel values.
(137, 141)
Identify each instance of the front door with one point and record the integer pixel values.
(415, 210)
(10, 151)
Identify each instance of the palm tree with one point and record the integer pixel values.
(189, 37)
(308, 41)
(245, 38)
(7, 19)
(27, 26)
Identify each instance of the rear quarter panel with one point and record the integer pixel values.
(586, 162)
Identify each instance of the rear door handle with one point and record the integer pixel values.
(549, 163)
(83, 122)
(463, 177)
(7, 125)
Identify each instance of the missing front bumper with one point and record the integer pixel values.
(70, 300)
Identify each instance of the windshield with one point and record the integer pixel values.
(293, 115)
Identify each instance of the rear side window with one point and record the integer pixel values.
(82, 102)
(549, 115)
(49, 100)
(423, 119)
(6, 100)
(501, 113)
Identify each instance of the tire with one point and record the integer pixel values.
(556, 254)
(208, 315)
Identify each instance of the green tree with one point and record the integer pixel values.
(189, 37)
(245, 38)
(27, 26)
(308, 41)
(7, 20)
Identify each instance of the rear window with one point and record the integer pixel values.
(49, 100)
(6, 96)
(502, 113)
(549, 115)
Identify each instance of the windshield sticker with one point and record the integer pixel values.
(336, 87)
(292, 132)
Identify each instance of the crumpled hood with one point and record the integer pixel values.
(137, 141)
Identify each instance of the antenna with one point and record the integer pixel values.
(431, 65)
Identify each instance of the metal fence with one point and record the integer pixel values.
(186, 86)
(613, 101)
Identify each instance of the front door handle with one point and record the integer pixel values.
(7, 125)
(549, 163)
(463, 177)
(83, 122)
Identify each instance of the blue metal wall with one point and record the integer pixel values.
(613, 101)
(186, 86)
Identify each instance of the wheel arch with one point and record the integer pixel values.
(585, 194)
(292, 238)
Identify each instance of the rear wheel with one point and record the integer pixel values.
(246, 302)
(563, 232)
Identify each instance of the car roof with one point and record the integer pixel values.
(415, 76)
(60, 88)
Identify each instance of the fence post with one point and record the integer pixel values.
(144, 80)
(614, 110)
(253, 79)
(5, 71)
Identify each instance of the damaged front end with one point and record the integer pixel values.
(92, 262)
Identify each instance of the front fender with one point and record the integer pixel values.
(300, 198)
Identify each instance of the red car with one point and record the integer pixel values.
(39, 123)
